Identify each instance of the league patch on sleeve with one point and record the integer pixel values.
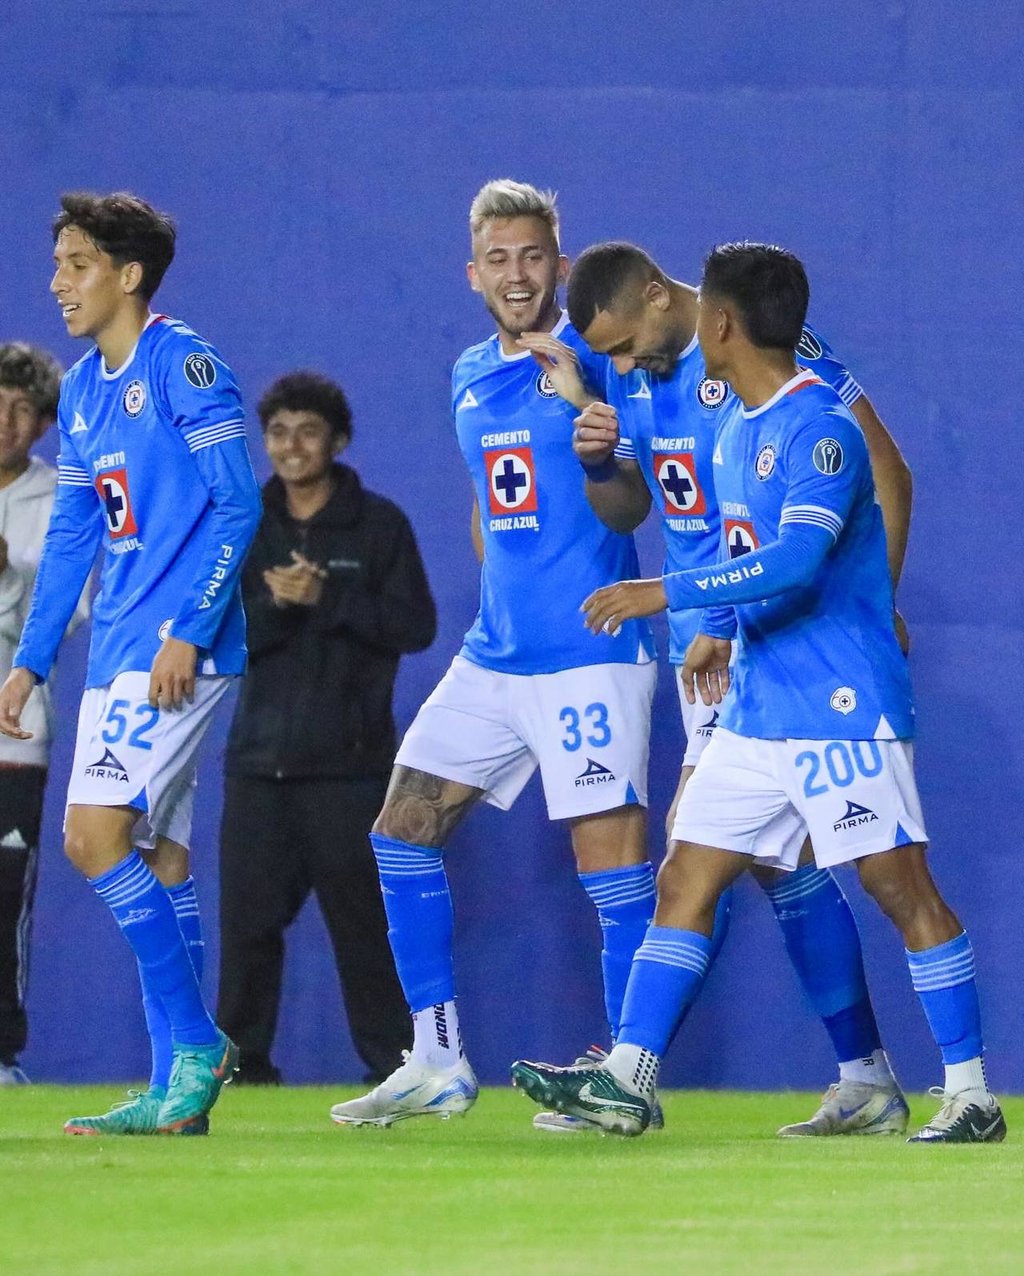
(809, 347)
(200, 370)
(828, 456)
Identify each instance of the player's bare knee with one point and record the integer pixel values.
(97, 838)
(902, 887)
(681, 887)
(610, 839)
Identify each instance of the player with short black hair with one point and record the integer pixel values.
(124, 227)
(651, 445)
(608, 275)
(815, 736)
(153, 464)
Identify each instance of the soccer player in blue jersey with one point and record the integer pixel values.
(818, 659)
(526, 690)
(154, 466)
(651, 446)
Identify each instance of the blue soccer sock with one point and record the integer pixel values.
(944, 980)
(420, 920)
(186, 909)
(624, 899)
(823, 943)
(143, 910)
(668, 972)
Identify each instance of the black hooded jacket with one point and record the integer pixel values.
(317, 698)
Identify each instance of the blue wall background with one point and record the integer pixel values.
(321, 159)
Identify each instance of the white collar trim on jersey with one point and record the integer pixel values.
(556, 331)
(803, 376)
(112, 376)
(691, 347)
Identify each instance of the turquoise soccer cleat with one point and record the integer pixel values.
(135, 1115)
(197, 1078)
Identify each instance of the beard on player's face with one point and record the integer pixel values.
(540, 310)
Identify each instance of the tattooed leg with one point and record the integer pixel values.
(423, 809)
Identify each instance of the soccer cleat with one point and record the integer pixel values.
(590, 1092)
(136, 1115)
(854, 1107)
(197, 1077)
(563, 1123)
(414, 1089)
(12, 1074)
(961, 1120)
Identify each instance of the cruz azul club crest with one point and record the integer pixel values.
(511, 480)
(711, 393)
(740, 536)
(677, 478)
(112, 486)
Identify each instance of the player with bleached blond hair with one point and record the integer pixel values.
(529, 688)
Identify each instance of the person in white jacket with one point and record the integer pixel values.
(29, 386)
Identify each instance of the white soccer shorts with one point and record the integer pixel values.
(699, 721)
(130, 754)
(587, 729)
(763, 797)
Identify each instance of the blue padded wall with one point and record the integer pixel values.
(320, 160)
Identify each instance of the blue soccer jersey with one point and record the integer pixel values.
(153, 462)
(668, 425)
(544, 548)
(808, 575)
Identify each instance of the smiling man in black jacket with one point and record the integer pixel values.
(335, 592)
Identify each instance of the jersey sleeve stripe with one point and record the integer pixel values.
(73, 476)
(207, 435)
(815, 516)
(625, 450)
(849, 390)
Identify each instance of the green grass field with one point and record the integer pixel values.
(277, 1188)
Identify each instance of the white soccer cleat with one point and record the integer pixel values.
(414, 1089)
(854, 1107)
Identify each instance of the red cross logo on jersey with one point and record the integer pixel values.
(740, 536)
(677, 476)
(112, 486)
(511, 483)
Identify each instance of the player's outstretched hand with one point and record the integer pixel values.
(705, 670)
(596, 433)
(14, 696)
(560, 362)
(172, 680)
(608, 607)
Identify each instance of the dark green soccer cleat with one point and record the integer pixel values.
(962, 1121)
(592, 1093)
